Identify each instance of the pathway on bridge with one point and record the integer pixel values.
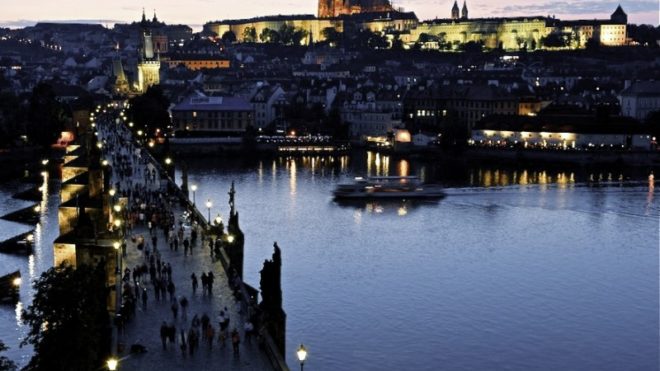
(144, 328)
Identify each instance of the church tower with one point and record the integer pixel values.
(619, 16)
(149, 64)
(455, 11)
(464, 11)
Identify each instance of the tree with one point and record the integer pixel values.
(149, 110)
(68, 320)
(286, 34)
(644, 34)
(592, 44)
(229, 37)
(298, 36)
(397, 43)
(13, 117)
(264, 35)
(46, 116)
(556, 40)
(249, 35)
(6, 364)
(332, 36)
(472, 47)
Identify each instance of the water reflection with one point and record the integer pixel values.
(19, 314)
(483, 177)
(386, 207)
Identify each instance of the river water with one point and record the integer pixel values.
(515, 269)
(519, 269)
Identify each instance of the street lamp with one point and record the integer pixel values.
(193, 188)
(302, 355)
(168, 161)
(112, 364)
(209, 205)
(112, 192)
(117, 208)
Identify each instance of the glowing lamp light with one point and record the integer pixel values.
(209, 204)
(116, 245)
(151, 144)
(112, 192)
(117, 223)
(168, 161)
(30, 237)
(230, 238)
(16, 282)
(112, 364)
(301, 353)
(117, 208)
(44, 162)
(37, 208)
(104, 162)
(218, 220)
(193, 187)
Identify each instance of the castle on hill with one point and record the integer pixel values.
(508, 33)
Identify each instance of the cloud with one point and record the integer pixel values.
(576, 7)
(30, 22)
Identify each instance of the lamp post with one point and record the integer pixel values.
(193, 188)
(112, 364)
(209, 205)
(302, 355)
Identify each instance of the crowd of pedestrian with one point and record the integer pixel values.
(149, 205)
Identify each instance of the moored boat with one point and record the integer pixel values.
(388, 187)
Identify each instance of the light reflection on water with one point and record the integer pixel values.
(515, 268)
(31, 266)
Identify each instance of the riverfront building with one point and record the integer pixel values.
(574, 131)
(640, 98)
(213, 115)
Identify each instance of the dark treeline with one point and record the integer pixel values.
(33, 119)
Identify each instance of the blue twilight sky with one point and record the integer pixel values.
(196, 12)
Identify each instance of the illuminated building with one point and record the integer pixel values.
(509, 33)
(149, 64)
(226, 115)
(335, 8)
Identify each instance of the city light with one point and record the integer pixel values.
(112, 364)
(17, 281)
(116, 245)
(112, 192)
(301, 353)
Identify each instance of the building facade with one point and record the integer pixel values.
(335, 8)
(148, 67)
(219, 115)
(640, 99)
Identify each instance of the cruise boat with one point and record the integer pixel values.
(388, 187)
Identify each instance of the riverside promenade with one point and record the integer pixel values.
(136, 175)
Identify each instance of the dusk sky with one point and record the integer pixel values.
(196, 12)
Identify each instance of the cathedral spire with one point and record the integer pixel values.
(144, 16)
(155, 20)
(464, 11)
(454, 10)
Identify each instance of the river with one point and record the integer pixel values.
(515, 269)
